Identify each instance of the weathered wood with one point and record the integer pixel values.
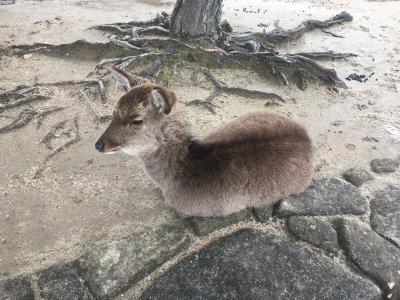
(196, 17)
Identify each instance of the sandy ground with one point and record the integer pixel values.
(83, 198)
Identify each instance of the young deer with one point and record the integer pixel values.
(254, 160)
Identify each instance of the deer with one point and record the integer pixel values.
(254, 160)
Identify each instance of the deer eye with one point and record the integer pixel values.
(136, 121)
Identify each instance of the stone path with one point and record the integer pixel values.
(316, 245)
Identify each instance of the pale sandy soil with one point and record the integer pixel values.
(83, 198)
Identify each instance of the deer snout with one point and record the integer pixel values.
(100, 146)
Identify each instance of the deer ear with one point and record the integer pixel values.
(125, 79)
(163, 99)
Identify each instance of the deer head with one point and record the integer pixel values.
(137, 116)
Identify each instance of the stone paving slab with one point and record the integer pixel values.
(61, 282)
(330, 196)
(384, 165)
(111, 270)
(319, 233)
(357, 176)
(385, 213)
(15, 289)
(376, 257)
(250, 264)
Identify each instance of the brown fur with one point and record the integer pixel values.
(254, 160)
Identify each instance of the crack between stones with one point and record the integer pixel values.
(352, 264)
(386, 238)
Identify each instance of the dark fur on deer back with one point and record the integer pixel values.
(256, 159)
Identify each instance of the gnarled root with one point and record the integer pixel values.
(222, 88)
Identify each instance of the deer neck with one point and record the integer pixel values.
(173, 139)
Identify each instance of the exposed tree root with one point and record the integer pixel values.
(299, 67)
(303, 62)
(156, 30)
(43, 114)
(12, 103)
(207, 102)
(123, 62)
(152, 70)
(161, 20)
(330, 55)
(22, 120)
(63, 147)
(152, 37)
(26, 116)
(251, 93)
(280, 35)
(125, 44)
(68, 82)
(114, 28)
(223, 88)
(62, 49)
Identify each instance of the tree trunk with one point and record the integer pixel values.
(196, 17)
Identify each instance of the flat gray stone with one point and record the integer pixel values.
(60, 282)
(112, 270)
(330, 196)
(376, 257)
(250, 264)
(385, 213)
(15, 289)
(205, 225)
(384, 165)
(315, 231)
(263, 213)
(357, 176)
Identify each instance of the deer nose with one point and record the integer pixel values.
(99, 146)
